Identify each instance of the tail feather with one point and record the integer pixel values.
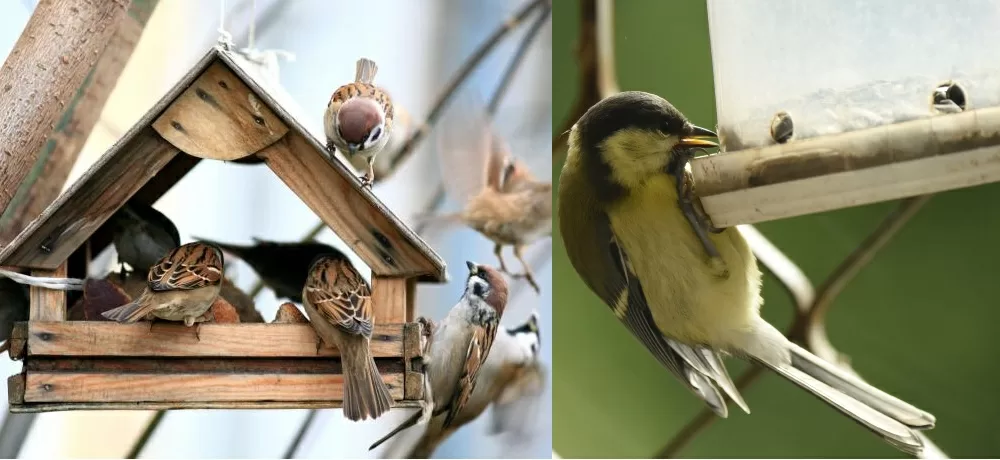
(128, 313)
(412, 420)
(365, 394)
(892, 431)
(856, 388)
(366, 70)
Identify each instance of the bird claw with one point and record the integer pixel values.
(699, 222)
(366, 182)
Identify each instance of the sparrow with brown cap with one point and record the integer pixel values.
(358, 118)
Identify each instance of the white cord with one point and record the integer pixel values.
(61, 284)
(225, 38)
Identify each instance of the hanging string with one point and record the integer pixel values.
(225, 38)
(61, 284)
(267, 59)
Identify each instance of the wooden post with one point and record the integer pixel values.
(82, 113)
(48, 304)
(389, 296)
(60, 44)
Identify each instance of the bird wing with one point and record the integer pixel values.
(519, 401)
(190, 266)
(464, 148)
(604, 266)
(479, 348)
(343, 298)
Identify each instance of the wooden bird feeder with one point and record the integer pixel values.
(223, 109)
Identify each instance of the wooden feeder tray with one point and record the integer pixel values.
(223, 109)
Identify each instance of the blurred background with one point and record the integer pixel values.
(918, 322)
(418, 46)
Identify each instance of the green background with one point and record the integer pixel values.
(919, 322)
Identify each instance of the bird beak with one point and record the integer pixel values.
(353, 148)
(696, 137)
(473, 268)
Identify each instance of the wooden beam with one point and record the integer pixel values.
(89, 202)
(60, 44)
(111, 387)
(32, 408)
(413, 377)
(329, 194)
(262, 340)
(889, 162)
(63, 146)
(389, 297)
(219, 118)
(48, 304)
(411, 300)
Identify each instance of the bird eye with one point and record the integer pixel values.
(376, 133)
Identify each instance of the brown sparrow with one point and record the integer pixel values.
(402, 128)
(181, 287)
(358, 118)
(503, 200)
(338, 302)
(460, 344)
(142, 235)
(511, 380)
(282, 266)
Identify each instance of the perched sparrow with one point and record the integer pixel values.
(142, 235)
(502, 199)
(402, 128)
(338, 301)
(283, 267)
(181, 287)
(133, 285)
(461, 343)
(358, 118)
(630, 242)
(511, 379)
(14, 306)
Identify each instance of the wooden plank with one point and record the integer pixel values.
(15, 389)
(218, 117)
(413, 377)
(172, 365)
(89, 202)
(389, 296)
(93, 387)
(819, 174)
(337, 201)
(99, 338)
(426, 264)
(48, 304)
(411, 300)
(18, 341)
(22, 408)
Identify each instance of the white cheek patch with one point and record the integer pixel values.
(634, 155)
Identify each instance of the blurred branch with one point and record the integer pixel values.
(439, 194)
(595, 52)
(809, 326)
(146, 434)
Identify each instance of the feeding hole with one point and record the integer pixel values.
(782, 127)
(949, 97)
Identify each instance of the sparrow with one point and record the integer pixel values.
(133, 285)
(402, 127)
(339, 304)
(142, 235)
(358, 118)
(282, 266)
(632, 245)
(180, 287)
(14, 307)
(511, 380)
(502, 199)
(460, 344)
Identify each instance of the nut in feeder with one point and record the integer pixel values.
(891, 98)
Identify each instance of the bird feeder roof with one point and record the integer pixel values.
(223, 109)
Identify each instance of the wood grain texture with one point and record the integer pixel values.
(97, 338)
(89, 202)
(413, 376)
(57, 48)
(96, 387)
(389, 297)
(15, 389)
(218, 117)
(18, 341)
(368, 232)
(74, 126)
(411, 300)
(860, 167)
(22, 408)
(47, 304)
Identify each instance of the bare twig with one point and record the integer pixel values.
(595, 51)
(440, 194)
(147, 433)
(809, 326)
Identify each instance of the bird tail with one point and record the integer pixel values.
(412, 420)
(366, 70)
(885, 415)
(130, 312)
(365, 394)
(235, 249)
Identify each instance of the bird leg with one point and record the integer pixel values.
(369, 178)
(527, 270)
(700, 225)
(498, 250)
